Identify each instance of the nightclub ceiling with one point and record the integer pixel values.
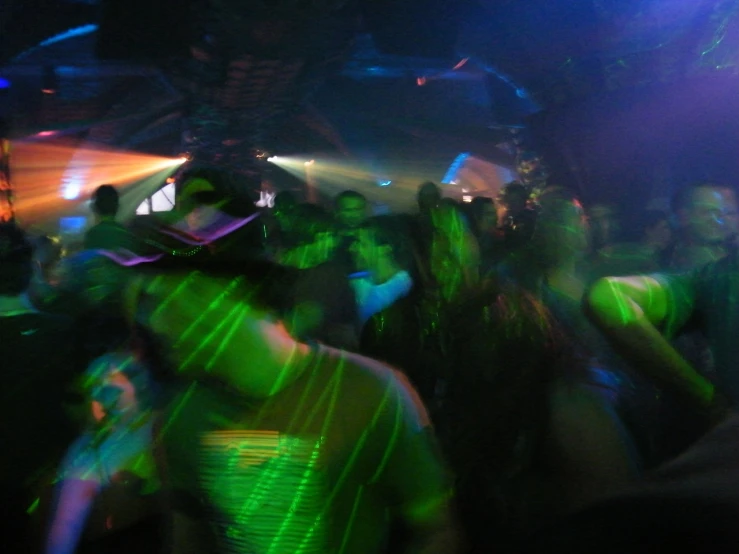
(225, 77)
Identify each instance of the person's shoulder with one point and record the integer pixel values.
(377, 379)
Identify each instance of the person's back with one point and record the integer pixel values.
(310, 469)
(107, 233)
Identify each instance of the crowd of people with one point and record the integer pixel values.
(512, 374)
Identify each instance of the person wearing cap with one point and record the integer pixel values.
(269, 444)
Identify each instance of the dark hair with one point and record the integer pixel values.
(683, 197)
(508, 351)
(429, 187)
(349, 194)
(514, 189)
(105, 201)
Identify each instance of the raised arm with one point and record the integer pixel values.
(632, 311)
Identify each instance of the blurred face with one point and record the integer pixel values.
(711, 217)
(351, 212)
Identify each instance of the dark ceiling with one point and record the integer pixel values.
(313, 75)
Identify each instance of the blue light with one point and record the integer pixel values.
(71, 33)
(384, 183)
(451, 174)
(73, 181)
(4, 83)
(72, 225)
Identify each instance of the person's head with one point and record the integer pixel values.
(655, 229)
(105, 201)
(382, 246)
(513, 199)
(429, 197)
(351, 209)
(484, 214)
(561, 233)
(604, 224)
(16, 260)
(706, 213)
(204, 322)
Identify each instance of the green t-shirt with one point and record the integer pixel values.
(317, 468)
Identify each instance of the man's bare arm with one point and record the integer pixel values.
(631, 311)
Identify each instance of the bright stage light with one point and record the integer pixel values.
(386, 183)
(310, 163)
(272, 158)
(47, 177)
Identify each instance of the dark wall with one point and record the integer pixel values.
(641, 143)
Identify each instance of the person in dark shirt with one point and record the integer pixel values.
(107, 233)
(39, 364)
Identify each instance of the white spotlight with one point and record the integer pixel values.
(310, 163)
(272, 158)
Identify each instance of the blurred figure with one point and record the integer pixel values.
(605, 227)
(484, 225)
(384, 258)
(558, 271)
(107, 497)
(529, 437)
(706, 215)
(428, 197)
(40, 360)
(351, 210)
(351, 213)
(324, 305)
(281, 223)
(455, 254)
(645, 255)
(515, 217)
(47, 253)
(271, 443)
(107, 233)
